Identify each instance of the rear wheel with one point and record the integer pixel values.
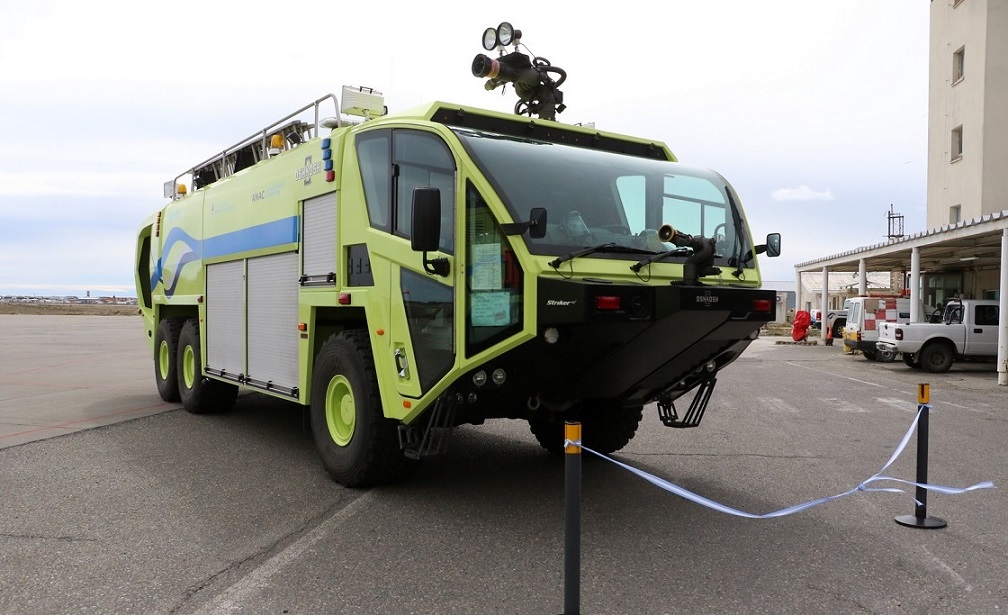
(165, 358)
(936, 358)
(357, 444)
(200, 395)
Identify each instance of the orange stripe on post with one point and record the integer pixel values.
(572, 433)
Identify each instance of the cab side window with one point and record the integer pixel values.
(986, 315)
(393, 163)
(373, 151)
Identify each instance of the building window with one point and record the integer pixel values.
(955, 214)
(958, 65)
(957, 143)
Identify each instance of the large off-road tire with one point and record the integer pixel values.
(603, 429)
(936, 358)
(607, 430)
(200, 395)
(548, 431)
(166, 358)
(358, 445)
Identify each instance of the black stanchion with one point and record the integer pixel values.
(572, 519)
(920, 518)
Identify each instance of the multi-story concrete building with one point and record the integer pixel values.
(968, 110)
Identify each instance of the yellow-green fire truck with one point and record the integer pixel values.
(404, 274)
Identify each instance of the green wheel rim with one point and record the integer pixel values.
(189, 367)
(164, 360)
(340, 410)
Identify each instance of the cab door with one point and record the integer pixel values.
(422, 305)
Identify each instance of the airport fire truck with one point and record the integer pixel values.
(400, 275)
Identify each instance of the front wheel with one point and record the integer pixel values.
(604, 429)
(358, 445)
(200, 395)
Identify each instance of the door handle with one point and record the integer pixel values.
(401, 363)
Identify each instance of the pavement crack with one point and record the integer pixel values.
(46, 537)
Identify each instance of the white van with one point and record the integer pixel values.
(863, 316)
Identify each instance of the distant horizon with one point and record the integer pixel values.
(42, 294)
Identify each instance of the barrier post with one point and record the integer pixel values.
(572, 519)
(920, 518)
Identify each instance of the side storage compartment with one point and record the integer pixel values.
(272, 322)
(252, 318)
(319, 240)
(225, 326)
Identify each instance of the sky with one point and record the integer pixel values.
(816, 112)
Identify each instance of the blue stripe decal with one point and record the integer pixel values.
(266, 235)
(257, 237)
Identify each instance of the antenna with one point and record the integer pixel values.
(895, 224)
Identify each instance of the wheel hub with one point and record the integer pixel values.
(189, 367)
(340, 410)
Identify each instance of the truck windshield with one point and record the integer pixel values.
(596, 197)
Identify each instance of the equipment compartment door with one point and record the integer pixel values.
(225, 313)
(319, 240)
(273, 320)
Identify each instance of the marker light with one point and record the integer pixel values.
(498, 376)
(607, 303)
(761, 305)
(479, 378)
(551, 335)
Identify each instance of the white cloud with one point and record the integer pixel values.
(802, 193)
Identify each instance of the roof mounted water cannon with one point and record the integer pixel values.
(538, 92)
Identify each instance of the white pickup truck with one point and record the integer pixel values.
(968, 331)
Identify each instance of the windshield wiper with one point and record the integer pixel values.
(661, 255)
(605, 247)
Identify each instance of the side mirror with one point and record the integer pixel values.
(773, 244)
(426, 220)
(426, 232)
(536, 225)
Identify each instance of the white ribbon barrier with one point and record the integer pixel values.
(864, 486)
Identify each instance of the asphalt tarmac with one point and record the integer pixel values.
(112, 501)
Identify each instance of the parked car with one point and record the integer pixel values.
(968, 331)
